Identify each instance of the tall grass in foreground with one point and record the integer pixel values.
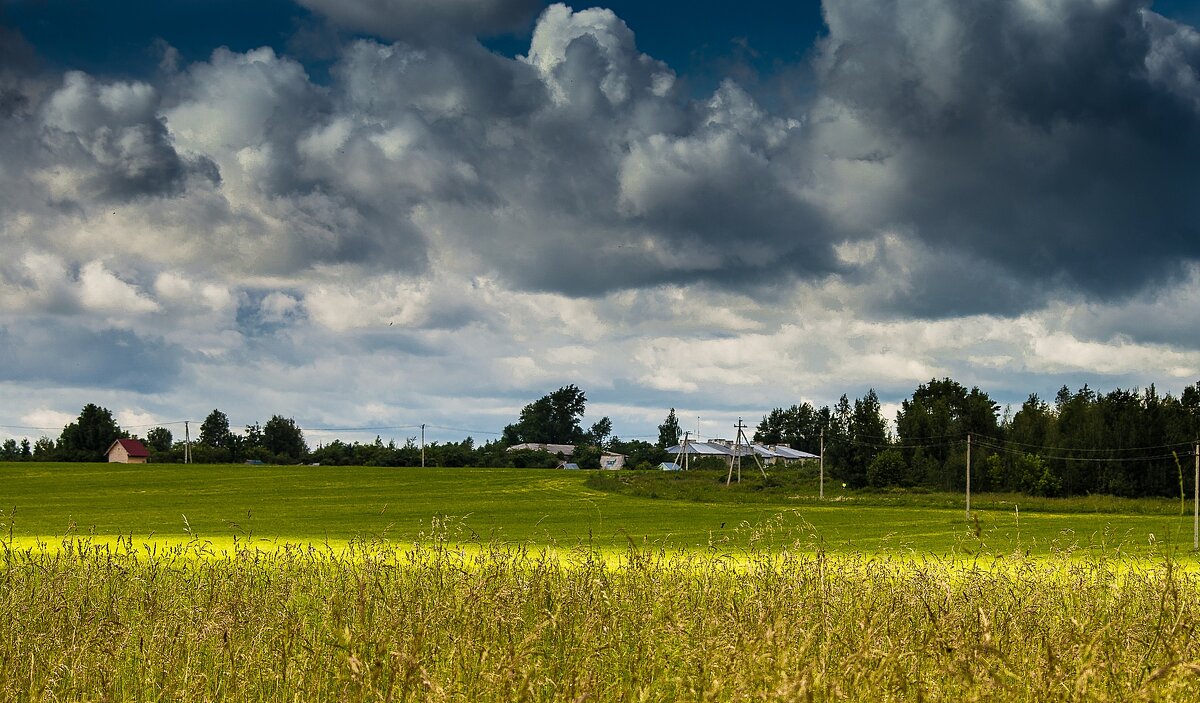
(435, 622)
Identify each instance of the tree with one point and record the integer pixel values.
(837, 437)
(43, 449)
(669, 431)
(932, 423)
(600, 432)
(159, 439)
(214, 432)
(798, 427)
(587, 457)
(283, 438)
(868, 436)
(639, 454)
(887, 469)
(9, 451)
(90, 435)
(551, 419)
(254, 436)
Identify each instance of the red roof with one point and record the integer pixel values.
(133, 447)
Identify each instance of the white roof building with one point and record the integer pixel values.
(564, 449)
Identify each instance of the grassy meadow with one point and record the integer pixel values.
(376, 584)
(603, 510)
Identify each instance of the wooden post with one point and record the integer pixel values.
(187, 443)
(968, 477)
(422, 445)
(1196, 501)
(821, 484)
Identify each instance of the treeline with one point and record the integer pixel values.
(1125, 442)
(280, 440)
(554, 418)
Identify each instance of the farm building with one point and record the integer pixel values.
(669, 466)
(786, 455)
(612, 461)
(555, 449)
(778, 453)
(127, 451)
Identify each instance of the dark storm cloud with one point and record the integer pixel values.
(1051, 142)
(64, 354)
(580, 168)
(424, 20)
(112, 136)
(1018, 149)
(18, 63)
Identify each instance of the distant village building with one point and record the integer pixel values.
(127, 451)
(612, 461)
(555, 449)
(776, 453)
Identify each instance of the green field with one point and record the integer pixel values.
(380, 584)
(554, 508)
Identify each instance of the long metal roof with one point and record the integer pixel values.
(714, 449)
(702, 449)
(789, 453)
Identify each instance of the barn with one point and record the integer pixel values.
(128, 451)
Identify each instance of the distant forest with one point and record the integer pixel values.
(1124, 442)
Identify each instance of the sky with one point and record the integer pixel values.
(370, 215)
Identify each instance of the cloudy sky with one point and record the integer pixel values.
(381, 213)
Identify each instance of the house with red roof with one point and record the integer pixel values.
(128, 451)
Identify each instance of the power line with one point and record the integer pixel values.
(1085, 449)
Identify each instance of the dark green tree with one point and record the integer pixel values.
(837, 438)
(599, 433)
(639, 454)
(159, 439)
(552, 419)
(254, 437)
(43, 449)
(888, 468)
(798, 427)
(669, 431)
(867, 437)
(587, 457)
(933, 425)
(214, 432)
(282, 437)
(90, 435)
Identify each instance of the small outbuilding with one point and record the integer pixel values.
(612, 461)
(127, 451)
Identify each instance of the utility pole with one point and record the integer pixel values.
(422, 445)
(686, 462)
(968, 477)
(187, 443)
(821, 484)
(737, 454)
(1196, 501)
